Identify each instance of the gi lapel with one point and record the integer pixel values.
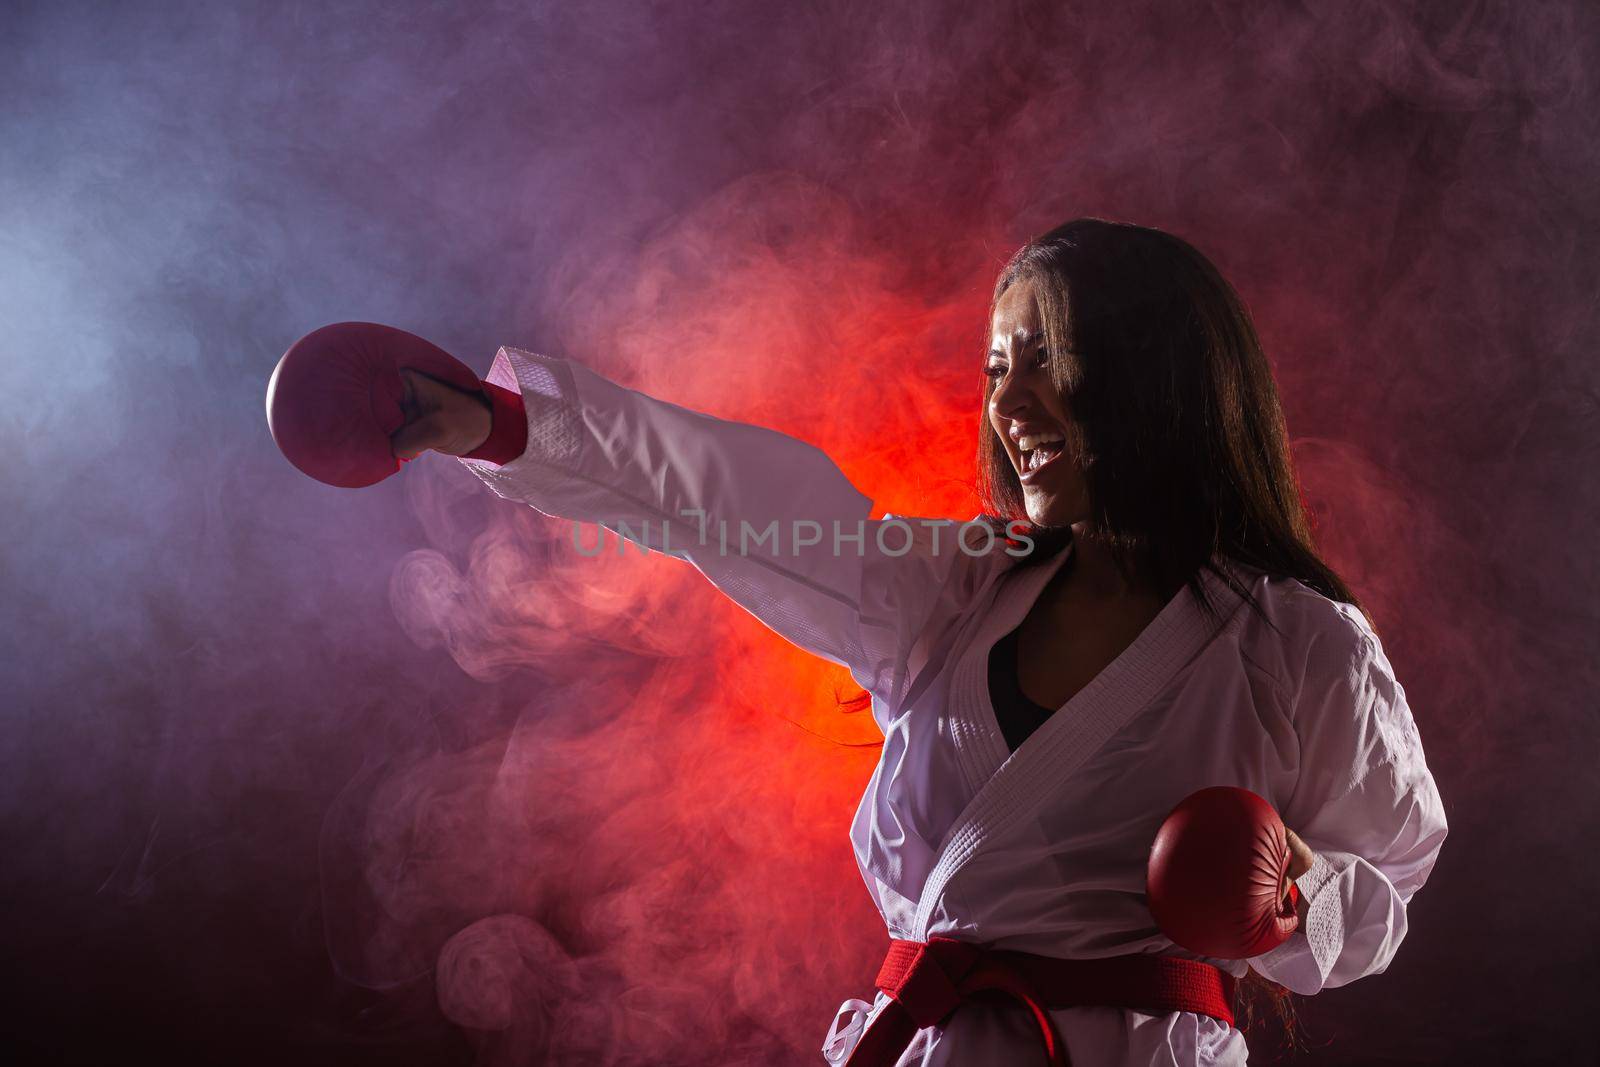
(1013, 783)
(980, 747)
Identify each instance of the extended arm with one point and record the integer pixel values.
(770, 519)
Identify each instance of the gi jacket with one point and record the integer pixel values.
(1041, 850)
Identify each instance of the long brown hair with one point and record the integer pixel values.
(1157, 361)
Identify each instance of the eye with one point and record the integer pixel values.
(995, 371)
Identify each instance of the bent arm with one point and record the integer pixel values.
(769, 519)
(1367, 805)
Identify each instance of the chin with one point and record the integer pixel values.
(1053, 509)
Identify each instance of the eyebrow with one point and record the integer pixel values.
(1032, 339)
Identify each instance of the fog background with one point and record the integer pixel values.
(395, 777)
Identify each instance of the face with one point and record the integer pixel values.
(1025, 409)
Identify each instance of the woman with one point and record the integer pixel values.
(1171, 629)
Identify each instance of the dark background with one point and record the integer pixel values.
(292, 774)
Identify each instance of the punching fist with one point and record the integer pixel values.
(439, 416)
(1219, 876)
(349, 401)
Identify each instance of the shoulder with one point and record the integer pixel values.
(1307, 641)
(1343, 697)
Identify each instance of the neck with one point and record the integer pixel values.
(1093, 570)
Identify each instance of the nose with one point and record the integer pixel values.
(1013, 397)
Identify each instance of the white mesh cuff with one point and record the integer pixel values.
(1322, 933)
(550, 400)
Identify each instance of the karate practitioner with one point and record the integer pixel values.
(1172, 628)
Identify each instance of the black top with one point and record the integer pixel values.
(1018, 716)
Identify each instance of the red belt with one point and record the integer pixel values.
(926, 982)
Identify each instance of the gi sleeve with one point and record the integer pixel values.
(769, 519)
(1365, 803)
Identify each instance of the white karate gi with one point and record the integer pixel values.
(1042, 850)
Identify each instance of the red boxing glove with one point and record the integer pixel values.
(1215, 878)
(334, 398)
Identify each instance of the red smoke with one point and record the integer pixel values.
(673, 801)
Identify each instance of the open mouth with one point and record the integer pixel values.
(1038, 451)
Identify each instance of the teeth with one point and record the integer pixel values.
(1032, 446)
(1030, 441)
